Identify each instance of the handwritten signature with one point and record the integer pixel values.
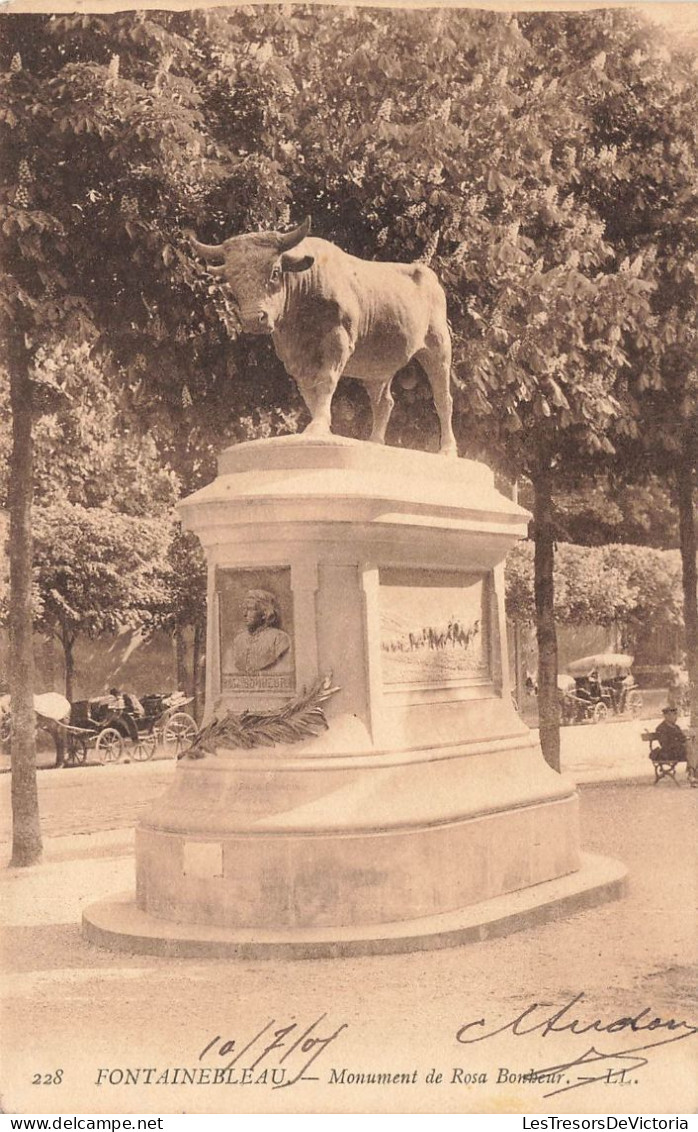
(538, 1019)
(278, 1053)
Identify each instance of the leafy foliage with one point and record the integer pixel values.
(91, 221)
(605, 509)
(231, 120)
(98, 570)
(185, 599)
(102, 518)
(636, 586)
(91, 450)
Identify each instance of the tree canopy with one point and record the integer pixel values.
(231, 120)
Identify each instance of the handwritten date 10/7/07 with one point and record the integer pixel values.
(290, 1046)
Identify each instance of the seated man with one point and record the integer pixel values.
(133, 704)
(594, 685)
(673, 742)
(582, 688)
(119, 714)
(611, 691)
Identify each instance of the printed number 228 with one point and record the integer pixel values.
(48, 1078)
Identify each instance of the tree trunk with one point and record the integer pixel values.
(519, 678)
(199, 669)
(26, 830)
(58, 735)
(181, 658)
(68, 641)
(548, 709)
(685, 475)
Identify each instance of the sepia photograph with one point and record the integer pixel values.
(348, 559)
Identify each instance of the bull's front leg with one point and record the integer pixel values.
(319, 380)
(317, 392)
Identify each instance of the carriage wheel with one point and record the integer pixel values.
(144, 747)
(179, 732)
(600, 712)
(633, 703)
(109, 746)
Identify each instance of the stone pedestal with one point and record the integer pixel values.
(426, 802)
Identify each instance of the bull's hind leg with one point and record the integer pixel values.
(382, 402)
(435, 360)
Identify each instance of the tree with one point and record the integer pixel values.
(48, 106)
(90, 449)
(186, 607)
(106, 152)
(636, 587)
(97, 571)
(100, 489)
(643, 182)
(4, 575)
(611, 507)
(26, 843)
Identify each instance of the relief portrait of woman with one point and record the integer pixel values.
(262, 645)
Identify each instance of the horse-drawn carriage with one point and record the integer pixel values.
(598, 686)
(111, 726)
(120, 724)
(174, 728)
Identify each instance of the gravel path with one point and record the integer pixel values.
(91, 799)
(72, 1006)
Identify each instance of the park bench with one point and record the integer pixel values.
(664, 765)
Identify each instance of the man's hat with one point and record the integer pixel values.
(669, 710)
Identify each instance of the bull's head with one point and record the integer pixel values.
(253, 268)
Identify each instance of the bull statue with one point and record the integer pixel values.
(331, 314)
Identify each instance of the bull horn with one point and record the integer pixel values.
(290, 239)
(212, 253)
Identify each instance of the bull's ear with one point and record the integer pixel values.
(291, 261)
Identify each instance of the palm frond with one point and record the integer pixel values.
(300, 718)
